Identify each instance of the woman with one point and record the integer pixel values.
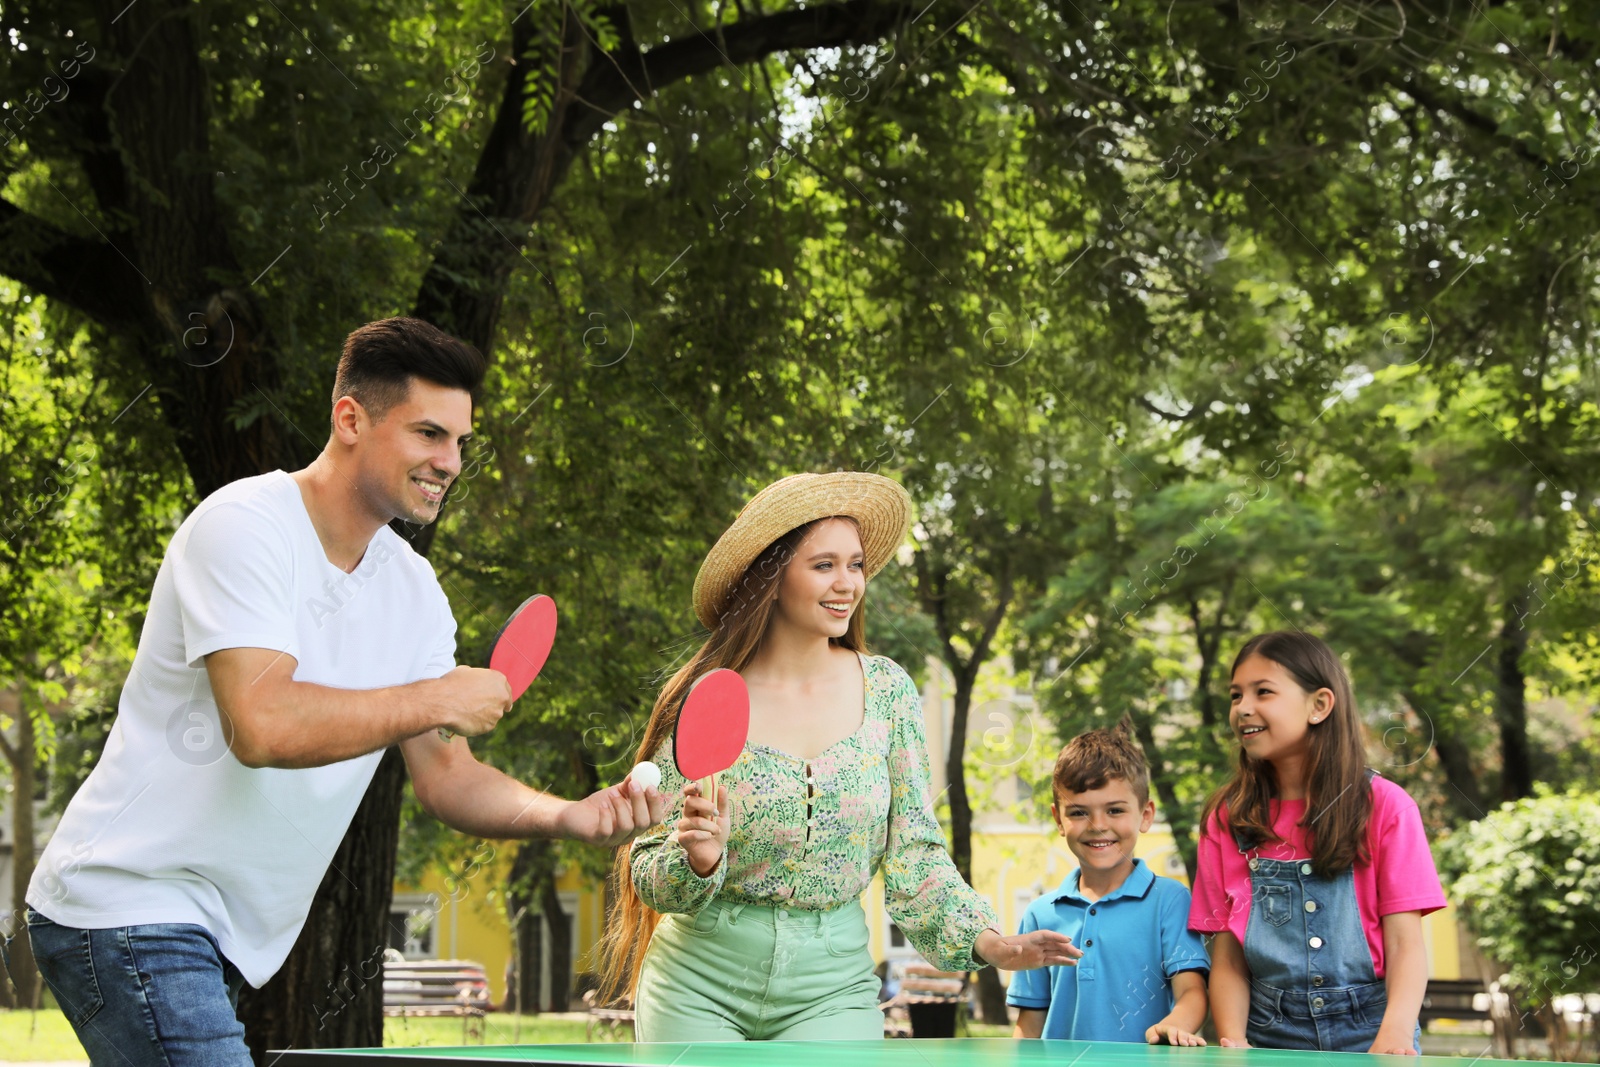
(741, 919)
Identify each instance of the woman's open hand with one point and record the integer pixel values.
(1026, 952)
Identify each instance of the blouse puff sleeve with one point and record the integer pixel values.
(925, 894)
(660, 866)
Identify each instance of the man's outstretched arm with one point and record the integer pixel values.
(474, 798)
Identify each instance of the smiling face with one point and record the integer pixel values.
(404, 462)
(1102, 827)
(823, 584)
(1271, 715)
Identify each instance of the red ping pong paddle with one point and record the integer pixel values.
(712, 729)
(524, 643)
(522, 646)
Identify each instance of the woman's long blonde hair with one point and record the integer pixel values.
(733, 644)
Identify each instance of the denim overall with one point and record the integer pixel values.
(1312, 985)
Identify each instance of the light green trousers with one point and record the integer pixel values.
(750, 972)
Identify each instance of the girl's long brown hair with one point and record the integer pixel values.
(733, 644)
(1338, 794)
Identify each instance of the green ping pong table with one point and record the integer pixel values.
(958, 1052)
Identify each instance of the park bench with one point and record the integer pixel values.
(435, 988)
(1455, 998)
(610, 1023)
(926, 1003)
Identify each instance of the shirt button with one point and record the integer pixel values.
(1316, 979)
(1089, 942)
(1305, 868)
(1093, 912)
(782, 914)
(1315, 942)
(1255, 864)
(1311, 905)
(1316, 1002)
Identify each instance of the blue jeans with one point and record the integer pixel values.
(159, 995)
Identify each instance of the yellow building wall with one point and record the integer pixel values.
(471, 923)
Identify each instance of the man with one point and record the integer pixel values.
(291, 638)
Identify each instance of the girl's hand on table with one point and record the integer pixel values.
(1384, 1045)
(703, 830)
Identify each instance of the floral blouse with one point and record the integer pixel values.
(869, 806)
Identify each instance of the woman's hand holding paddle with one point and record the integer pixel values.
(707, 740)
(703, 830)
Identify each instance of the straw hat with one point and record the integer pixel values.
(880, 507)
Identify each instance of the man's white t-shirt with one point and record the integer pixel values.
(170, 827)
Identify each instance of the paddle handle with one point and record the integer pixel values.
(708, 788)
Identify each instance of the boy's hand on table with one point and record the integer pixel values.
(1167, 1034)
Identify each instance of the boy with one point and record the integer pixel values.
(1143, 973)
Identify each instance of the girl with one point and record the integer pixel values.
(743, 920)
(1314, 873)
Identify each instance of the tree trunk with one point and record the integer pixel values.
(24, 985)
(523, 902)
(1465, 798)
(1207, 641)
(1179, 816)
(1511, 703)
(991, 994)
(329, 993)
(955, 775)
(560, 946)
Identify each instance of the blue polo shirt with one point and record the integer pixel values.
(1134, 940)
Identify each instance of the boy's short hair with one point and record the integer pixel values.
(1092, 759)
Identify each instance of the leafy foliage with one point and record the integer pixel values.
(1527, 877)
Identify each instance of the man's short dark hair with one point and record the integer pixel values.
(382, 357)
(1092, 760)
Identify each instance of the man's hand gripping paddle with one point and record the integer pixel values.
(522, 646)
(712, 729)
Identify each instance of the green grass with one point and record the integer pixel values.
(498, 1029)
(38, 1035)
(45, 1035)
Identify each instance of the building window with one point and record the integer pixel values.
(413, 920)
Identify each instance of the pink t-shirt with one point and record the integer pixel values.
(1400, 877)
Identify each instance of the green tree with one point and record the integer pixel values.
(1527, 879)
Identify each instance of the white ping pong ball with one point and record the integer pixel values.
(646, 775)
